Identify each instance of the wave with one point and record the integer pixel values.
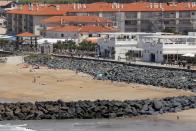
(9, 127)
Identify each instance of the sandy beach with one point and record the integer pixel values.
(19, 82)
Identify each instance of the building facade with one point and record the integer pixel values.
(127, 17)
(117, 45)
(76, 33)
(147, 17)
(167, 48)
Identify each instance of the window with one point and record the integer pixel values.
(62, 35)
(90, 35)
(160, 52)
(133, 37)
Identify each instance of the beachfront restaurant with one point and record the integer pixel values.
(168, 48)
(121, 46)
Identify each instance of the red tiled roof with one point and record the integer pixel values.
(40, 10)
(64, 29)
(83, 29)
(96, 29)
(92, 40)
(61, 9)
(25, 34)
(74, 19)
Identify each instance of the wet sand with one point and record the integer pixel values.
(183, 116)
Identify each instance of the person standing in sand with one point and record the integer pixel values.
(34, 79)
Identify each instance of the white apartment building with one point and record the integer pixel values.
(144, 16)
(128, 17)
(168, 47)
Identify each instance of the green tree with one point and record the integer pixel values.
(87, 46)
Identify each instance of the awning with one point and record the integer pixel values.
(26, 34)
(7, 37)
(189, 55)
(135, 49)
(49, 40)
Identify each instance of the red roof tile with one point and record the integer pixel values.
(61, 9)
(40, 10)
(82, 29)
(92, 40)
(25, 34)
(76, 19)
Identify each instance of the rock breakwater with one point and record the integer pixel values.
(162, 77)
(94, 109)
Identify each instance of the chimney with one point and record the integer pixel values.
(155, 5)
(122, 6)
(84, 6)
(57, 7)
(30, 6)
(20, 7)
(61, 21)
(115, 6)
(151, 5)
(118, 5)
(189, 5)
(173, 3)
(192, 4)
(112, 5)
(74, 6)
(160, 5)
(37, 8)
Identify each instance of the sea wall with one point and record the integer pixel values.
(94, 109)
(122, 72)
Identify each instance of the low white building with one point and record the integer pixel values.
(76, 33)
(167, 48)
(117, 45)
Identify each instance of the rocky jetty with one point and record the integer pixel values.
(122, 72)
(94, 109)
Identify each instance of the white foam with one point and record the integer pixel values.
(9, 127)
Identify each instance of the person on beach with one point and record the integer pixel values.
(77, 71)
(34, 79)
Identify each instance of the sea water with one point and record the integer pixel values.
(97, 125)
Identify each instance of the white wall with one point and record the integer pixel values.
(193, 16)
(179, 49)
(67, 35)
(122, 47)
(105, 44)
(152, 48)
(37, 22)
